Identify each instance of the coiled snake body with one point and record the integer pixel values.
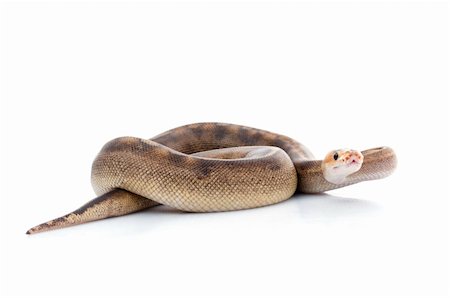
(208, 167)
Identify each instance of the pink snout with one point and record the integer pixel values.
(354, 157)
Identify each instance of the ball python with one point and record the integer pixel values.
(208, 167)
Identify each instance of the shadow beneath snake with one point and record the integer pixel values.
(323, 208)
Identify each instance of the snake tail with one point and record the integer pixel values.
(114, 203)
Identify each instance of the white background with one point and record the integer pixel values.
(331, 75)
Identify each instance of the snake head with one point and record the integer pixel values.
(339, 164)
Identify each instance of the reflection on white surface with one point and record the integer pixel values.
(309, 207)
(301, 208)
(324, 207)
(298, 243)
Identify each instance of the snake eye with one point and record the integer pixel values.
(335, 156)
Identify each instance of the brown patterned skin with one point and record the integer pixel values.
(207, 167)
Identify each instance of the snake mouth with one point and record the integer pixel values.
(353, 163)
(348, 164)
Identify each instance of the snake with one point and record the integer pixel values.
(214, 167)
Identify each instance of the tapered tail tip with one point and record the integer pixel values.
(114, 203)
(36, 229)
(61, 222)
(39, 228)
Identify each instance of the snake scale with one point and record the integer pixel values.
(207, 167)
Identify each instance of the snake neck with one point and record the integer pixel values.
(378, 163)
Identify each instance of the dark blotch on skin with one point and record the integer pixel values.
(186, 148)
(244, 136)
(203, 168)
(205, 171)
(278, 142)
(144, 146)
(257, 138)
(95, 201)
(178, 159)
(274, 166)
(220, 132)
(198, 131)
